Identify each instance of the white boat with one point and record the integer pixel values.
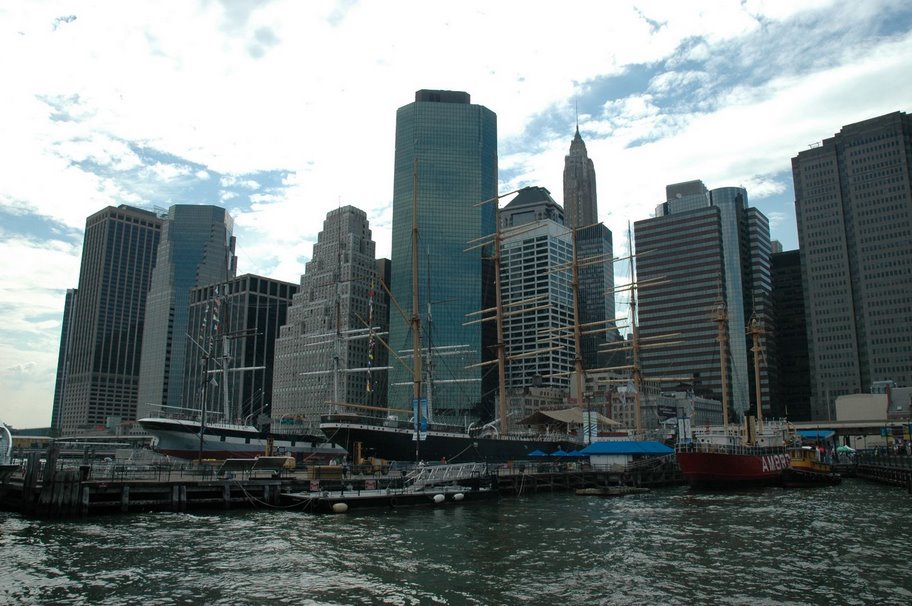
(184, 437)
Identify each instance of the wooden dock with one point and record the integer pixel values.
(63, 489)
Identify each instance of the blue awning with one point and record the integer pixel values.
(627, 447)
(816, 434)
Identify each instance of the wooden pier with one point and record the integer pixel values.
(60, 489)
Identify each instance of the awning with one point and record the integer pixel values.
(816, 434)
(627, 447)
(568, 415)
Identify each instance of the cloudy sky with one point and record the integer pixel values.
(283, 110)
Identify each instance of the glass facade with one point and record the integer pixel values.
(238, 321)
(450, 145)
(705, 247)
(197, 248)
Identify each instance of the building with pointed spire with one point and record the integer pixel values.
(325, 351)
(593, 240)
(580, 200)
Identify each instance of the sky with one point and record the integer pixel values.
(283, 110)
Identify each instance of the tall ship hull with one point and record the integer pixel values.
(395, 441)
(180, 438)
(733, 467)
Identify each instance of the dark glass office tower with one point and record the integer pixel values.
(702, 248)
(196, 249)
(853, 200)
(104, 320)
(793, 384)
(238, 321)
(446, 159)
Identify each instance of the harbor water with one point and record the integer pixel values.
(848, 544)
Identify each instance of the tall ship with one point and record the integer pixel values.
(381, 433)
(752, 453)
(216, 428)
(184, 434)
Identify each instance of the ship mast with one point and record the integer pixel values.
(754, 329)
(416, 320)
(577, 325)
(720, 317)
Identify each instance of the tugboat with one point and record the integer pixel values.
(807, 467)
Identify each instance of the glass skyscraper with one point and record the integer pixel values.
(704, 248)
(446, 159)
(196, 249)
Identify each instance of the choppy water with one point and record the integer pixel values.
(849, 544)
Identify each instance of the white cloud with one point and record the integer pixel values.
(233, 90)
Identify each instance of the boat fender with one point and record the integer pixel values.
(394, 502)
(340, 507)
(458, 496)
(438, 499)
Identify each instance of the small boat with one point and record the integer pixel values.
(807, 467)
(610, 491)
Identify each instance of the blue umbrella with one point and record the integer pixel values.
(560, 453)
(538, 453)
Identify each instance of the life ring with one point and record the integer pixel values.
(394, 502)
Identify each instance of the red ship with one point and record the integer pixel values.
(754, 453)
(718, 458)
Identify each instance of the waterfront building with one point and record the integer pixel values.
(539, 300)
(445, 161)
(593, 240)
(701, 249)
(196, 248)
(104, 321)
(325, 348)
(234, 325)
(853, 201)
(794, 381)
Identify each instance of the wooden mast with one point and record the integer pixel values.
(416, 320)
(754, 329)
(721, 318)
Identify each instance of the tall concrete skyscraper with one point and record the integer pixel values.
(853, 200)
(196, 249)
(593, 241)
(446, 161)
(704, 248)
(324, 350)
(580, 200)
(104, 323)
(540, 300)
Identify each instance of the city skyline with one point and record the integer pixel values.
(190, 103)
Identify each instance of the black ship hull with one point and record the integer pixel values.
(395, 441)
